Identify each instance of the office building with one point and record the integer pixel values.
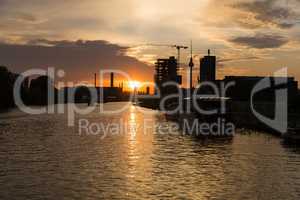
(208, 68)
(166, 71)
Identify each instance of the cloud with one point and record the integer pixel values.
(80, 59)
(253, 14)
(268, 12)
(26, 17)
(225, 60)
(260, 41)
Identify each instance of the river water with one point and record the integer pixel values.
(42, 158)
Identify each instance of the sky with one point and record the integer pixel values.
(249, 37)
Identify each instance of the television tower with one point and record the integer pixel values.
(191, 65)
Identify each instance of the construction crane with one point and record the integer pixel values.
(178, 47)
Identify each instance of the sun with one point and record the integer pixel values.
(134, 84)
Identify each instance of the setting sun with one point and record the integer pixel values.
(134, 84)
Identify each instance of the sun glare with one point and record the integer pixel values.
(134, 84)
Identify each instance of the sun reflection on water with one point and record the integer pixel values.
(132, 124)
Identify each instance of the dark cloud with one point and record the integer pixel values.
(260, 41)
(26, 17)
(269, 13)
(225, 60)
(80, 59)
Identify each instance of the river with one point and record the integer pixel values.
(42, 158)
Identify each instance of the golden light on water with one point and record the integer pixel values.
(132, 123)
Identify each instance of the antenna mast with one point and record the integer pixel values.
(191, 64)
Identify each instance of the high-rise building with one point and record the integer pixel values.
(208, 68)
(166, 71)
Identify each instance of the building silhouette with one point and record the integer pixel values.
(166, 71)
(241, 91)
(82, 94)
(147, 90)
(208, 68)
